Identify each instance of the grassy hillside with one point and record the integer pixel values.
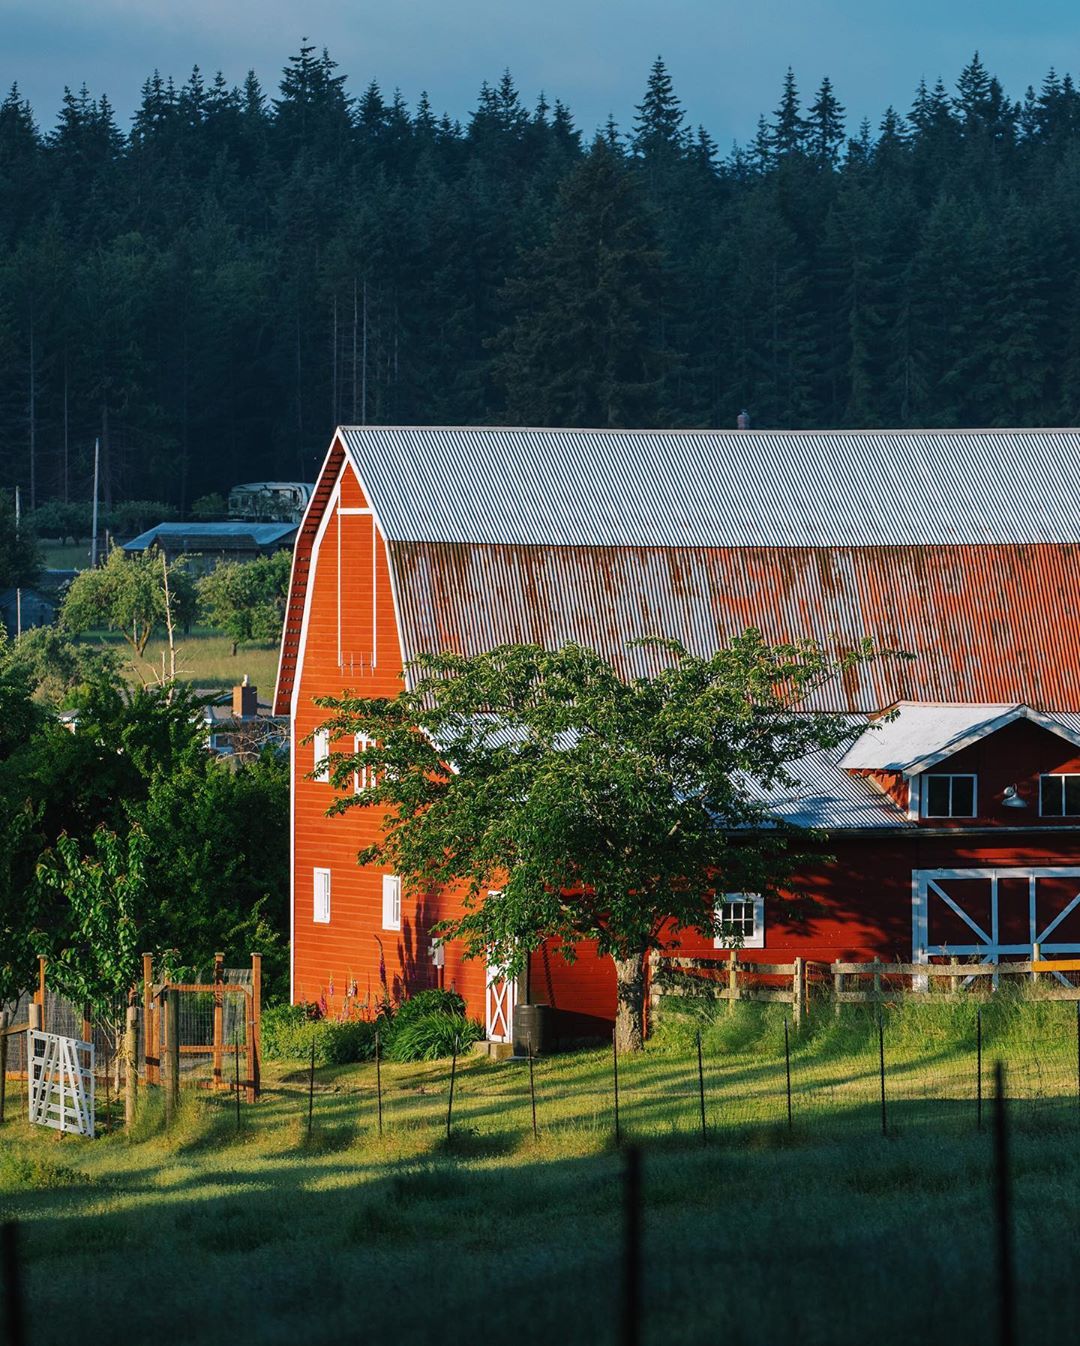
(828, 1232)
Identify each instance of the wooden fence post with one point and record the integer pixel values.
(4, 1016)
(837, 986)
(954, 979)
(1036, 957)
(219, 981)
(249, 1046)
(172, 1054)
(131, 1065)
(149, 1020)
(87, 1025)
(877, 979)
(798, 990)
(256, 1009)
(733, 980)
(40, 996)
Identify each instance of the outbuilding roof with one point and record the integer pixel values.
(210, 536)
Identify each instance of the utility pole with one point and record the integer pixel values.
(93, 527)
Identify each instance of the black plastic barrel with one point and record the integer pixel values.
(532, 1024)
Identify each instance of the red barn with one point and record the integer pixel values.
(955, 827)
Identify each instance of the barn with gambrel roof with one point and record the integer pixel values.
(957, 827)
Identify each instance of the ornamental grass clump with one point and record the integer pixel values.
(427, 1037)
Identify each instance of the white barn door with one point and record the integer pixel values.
(500, 1001)
(993, 913)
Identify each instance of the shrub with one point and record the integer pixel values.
(288, 1030)
(430, 1002)
(427, 1037)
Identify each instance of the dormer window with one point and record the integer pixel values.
(948, 796)
(1059, 796)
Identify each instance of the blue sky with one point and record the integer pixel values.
(727, 59)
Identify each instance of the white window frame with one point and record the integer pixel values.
(320, 884)
(755, 940)
(950, 776)
(391, 902)
(364, 777)
(321, 744)
(1062, 776)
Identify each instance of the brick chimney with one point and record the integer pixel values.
(245, 701)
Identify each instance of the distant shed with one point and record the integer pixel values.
(210, 543)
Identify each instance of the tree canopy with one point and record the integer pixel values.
(572, 804)
(211, 288)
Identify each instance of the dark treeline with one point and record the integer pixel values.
(213, 290)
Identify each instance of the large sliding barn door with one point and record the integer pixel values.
(995, 913)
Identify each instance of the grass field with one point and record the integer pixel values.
(828, 1232)
(205, 660)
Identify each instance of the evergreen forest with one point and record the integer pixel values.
(211, 289)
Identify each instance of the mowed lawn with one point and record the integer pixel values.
(827, 1232)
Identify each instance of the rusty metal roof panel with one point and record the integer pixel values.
(993, 624)
(720, 488)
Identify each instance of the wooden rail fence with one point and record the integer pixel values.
(731, 978)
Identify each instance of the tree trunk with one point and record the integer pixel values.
(630, 1008)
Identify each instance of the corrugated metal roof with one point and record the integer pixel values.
(200, 536)
(831, 798)
(922, 733)
(720, 488)
(988, 624)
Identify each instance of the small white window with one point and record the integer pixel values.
(391, 902)
(1059, 795)
(322, 752)
(321, 913)
(364, 777)
(742, 921)
(948, 796)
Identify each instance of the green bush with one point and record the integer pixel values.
(430, 1002)
(288, 1030)
(427, 1037)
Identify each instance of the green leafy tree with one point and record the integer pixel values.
(571, 803)
(246, 599)
(57, 668)
(103, 891)
(130, 594)
(20, 559)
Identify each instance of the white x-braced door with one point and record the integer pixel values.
(993, 913)
(500, 1001)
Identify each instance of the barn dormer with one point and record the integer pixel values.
(962, 765)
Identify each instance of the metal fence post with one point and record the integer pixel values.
(1002, 1193)
(631, 1304)
(787, 1069)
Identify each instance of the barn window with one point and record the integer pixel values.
(742, 921)
(1059, 796)
(321, 912)
(391, 902)
(364, 777)
(949, 797)
(322, 752)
